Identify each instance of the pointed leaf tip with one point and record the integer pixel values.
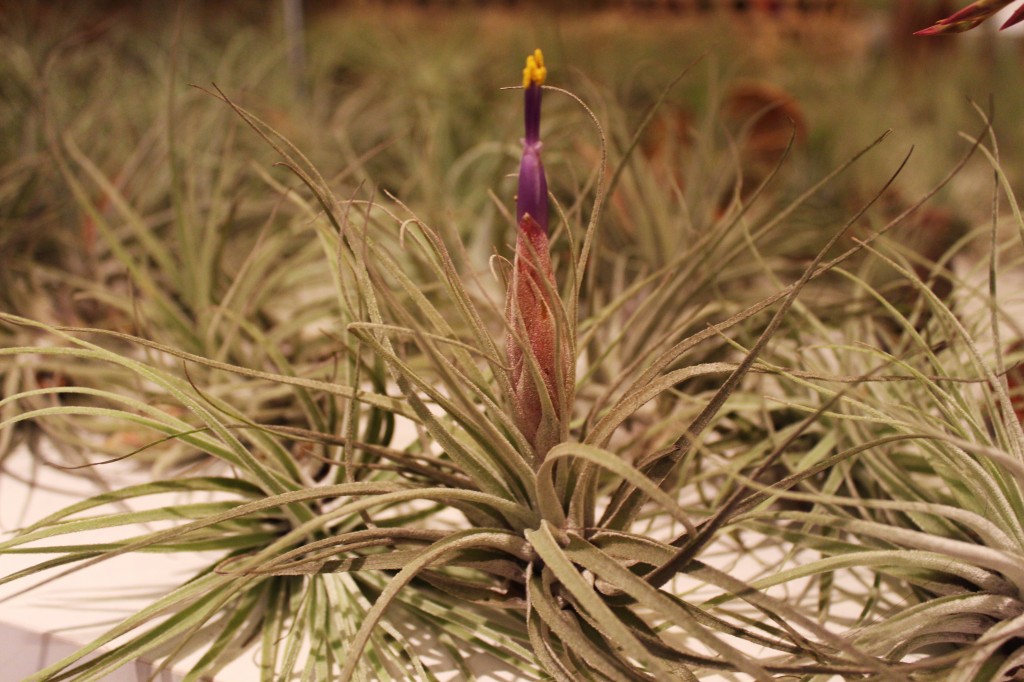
(1015, 18)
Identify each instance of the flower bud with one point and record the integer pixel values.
(538, 354)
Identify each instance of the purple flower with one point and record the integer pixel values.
(532, 198)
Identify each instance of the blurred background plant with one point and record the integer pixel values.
(424, 123)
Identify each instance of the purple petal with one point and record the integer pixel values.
(532, 198)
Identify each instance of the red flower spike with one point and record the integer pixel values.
(539, 359)
(532, 343)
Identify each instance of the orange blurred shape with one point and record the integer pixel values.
(768, 116)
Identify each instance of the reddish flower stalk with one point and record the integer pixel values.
(538, 352)
(971, 16)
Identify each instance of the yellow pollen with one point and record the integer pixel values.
(535, 71)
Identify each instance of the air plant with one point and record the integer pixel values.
(142, 247)
(925, 524)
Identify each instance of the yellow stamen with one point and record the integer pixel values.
(535, 71)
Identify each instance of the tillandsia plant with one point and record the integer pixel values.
(973, 15)
(926, 522)
(206, 260)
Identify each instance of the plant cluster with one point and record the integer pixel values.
(648, 441)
